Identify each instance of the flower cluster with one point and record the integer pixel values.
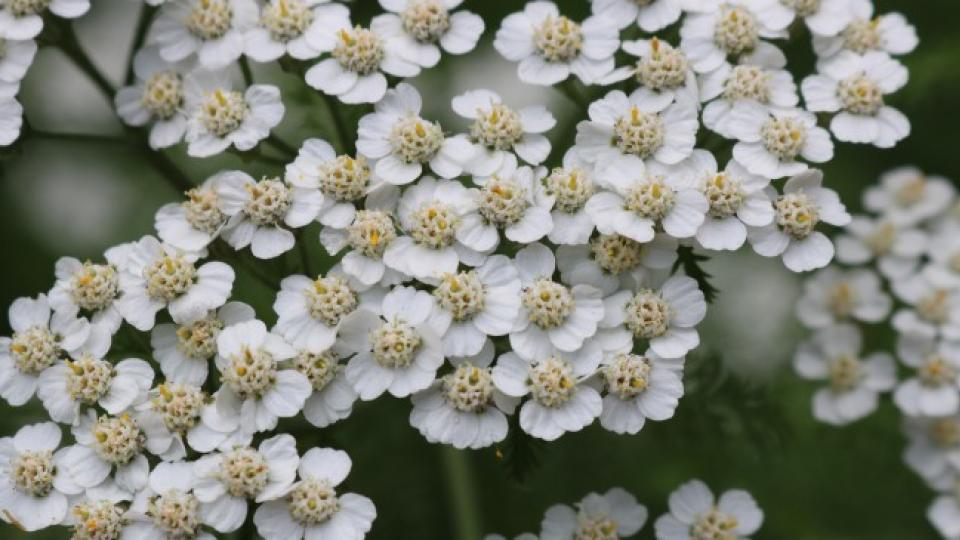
(466, 271)
(900, 267)
(694, 512)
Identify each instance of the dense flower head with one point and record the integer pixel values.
(515, 271)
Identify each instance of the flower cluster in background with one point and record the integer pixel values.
(899, 266)
(474, 270)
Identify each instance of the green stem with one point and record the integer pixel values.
(346, 143)
(139, 36)
(79, 137)
(462, 493)
(281, 145)
(304, 254)
(247, 73)
(70, 46)
(571, 89)
(165, 166)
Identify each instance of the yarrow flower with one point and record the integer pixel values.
(219, 116)
(866, 31)
(649, 15)
(401, 142)
(695, 513)
(157, 276)
(614, 514)
(213, 30)
(398, 352)
(638, 388)
(312, 508)
(803, 204)
(191, 225)
(158, 97)
(732, 30)
(854, 87)
(35, 488)
(550, 47)
(559, 398)
(286, 27)
(895, 249)
(833, 354)
(832, 295)
(23, 19)
(497, 129)
(359, 57)
(906, 196)
(934, 390)
(419, 29)
(261, 213)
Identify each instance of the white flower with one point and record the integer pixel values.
(160, 276)
(732, 30)
(224, 481)
(736, 200)
(34, 486)
(311, 310)
(793, 235)
(11, 119)
(399, 352)
(498, 129)
(463, 408)
(184, 350)
(666, 318)
(611, 262)
(219, 116)
(553, 316)
(944, 512)
(313, 508)
(944, 254)
(88, 381)
(763, 80)
(89, 288)
(167, 507)
(771, 140)
(401, 142)
(367, 233)
(661, 69)
(432, 213)
(175, 408)
(420, 28)
(895, 248)
(108, 444)
(560, 399)
(889, 32)
(359, 57)
(37, 343)
(650, 15)
(854, 87)
(286, 27)
(906, 196)
(510, 200)
(255, 387)
(931, 310)
(853, 382)
(638, 388)
(832, 295)
(934, 390)
(569, 187)
(191, 225)
(614, 514)
(934, 448)
(481, 302)
(98, 512)
(23, 19)
(694, 513)
(213, 29)
(642, 127)
(333, 397)
(16, 56)
(261, 213)
(550, 46)
(637, 199)
(343, 180)
(156, 96)
(824, 18)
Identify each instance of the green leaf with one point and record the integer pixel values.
(690, 262)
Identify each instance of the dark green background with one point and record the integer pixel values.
(751, 430)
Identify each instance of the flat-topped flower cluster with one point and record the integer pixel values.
(479, 273)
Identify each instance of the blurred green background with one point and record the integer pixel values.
(744, 423)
